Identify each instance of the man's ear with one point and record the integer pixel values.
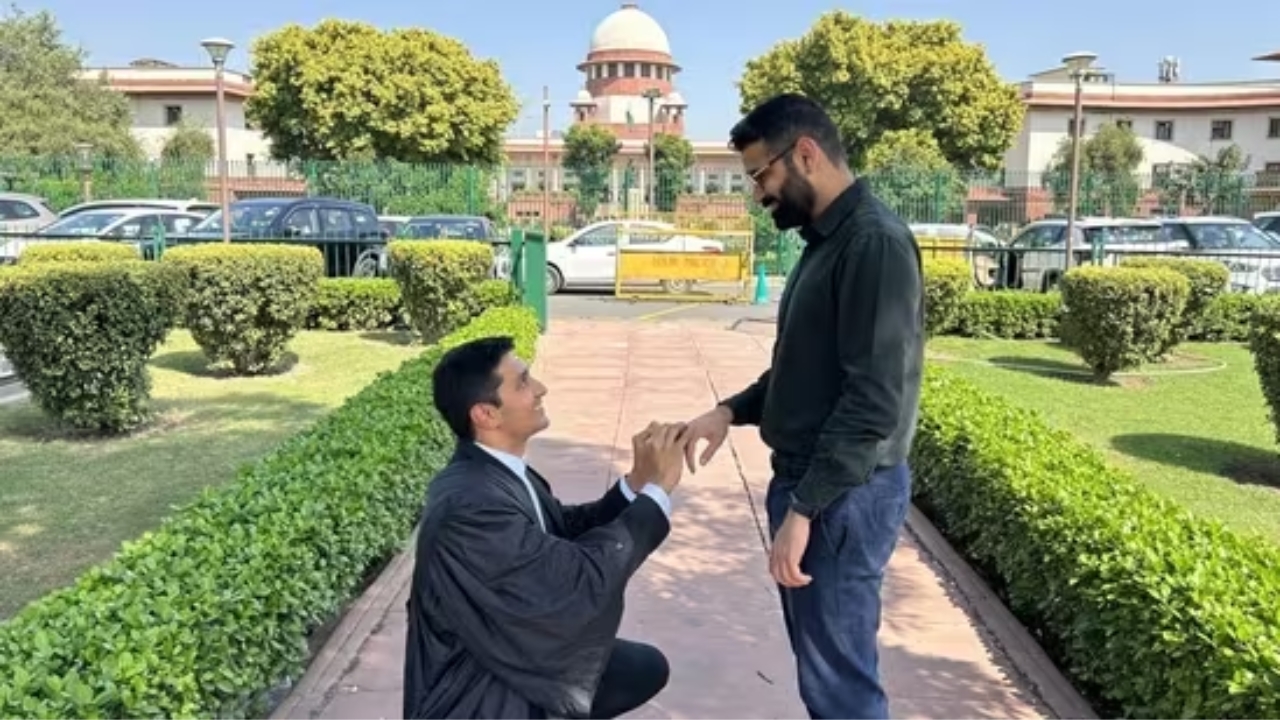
(484, 416)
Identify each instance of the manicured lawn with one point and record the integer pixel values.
(66, 504)
(1201, 438)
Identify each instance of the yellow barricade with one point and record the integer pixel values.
(674, 265)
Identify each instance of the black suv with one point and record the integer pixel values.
(335, 226)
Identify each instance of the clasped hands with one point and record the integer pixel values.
(663, 450)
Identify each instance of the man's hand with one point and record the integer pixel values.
(788, 549)
(712, 426)
(659, 452)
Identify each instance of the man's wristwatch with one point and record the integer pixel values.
(803, 509)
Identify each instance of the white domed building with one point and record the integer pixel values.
(629, 69)
(629, 72)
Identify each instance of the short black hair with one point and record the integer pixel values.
(466, 375)
(783, 119)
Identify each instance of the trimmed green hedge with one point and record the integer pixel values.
(946, 283)
(78, 251)
(356, 304)
(80, 334)
(207, 614)
(1264, 345)
(1117, 318)
(1152, 611)
(1021, 315)
(1207, 278)
(247, 301)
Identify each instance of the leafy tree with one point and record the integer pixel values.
(874, 78)
(672, 158)
(48, 107)
(910, 173)
(589, 151)
(188, 143)
(346, 90)
(1216, 185)
(184, 158)
(1109, 161)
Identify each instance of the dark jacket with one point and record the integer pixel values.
(508, 621)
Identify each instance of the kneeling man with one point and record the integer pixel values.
(516, 598)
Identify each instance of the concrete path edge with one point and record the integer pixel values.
(1026, 656)
(342, 648)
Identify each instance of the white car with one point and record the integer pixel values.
(1037, 255)
(1268, 221)
(199, 207)
(137, 226)
(589, 257)
(1251, 255)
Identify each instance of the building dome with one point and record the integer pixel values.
(630, 28)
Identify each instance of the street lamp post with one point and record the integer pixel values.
(218, 49)
(546, 163)
(652, 95)
(1078, 65)
(84, 158)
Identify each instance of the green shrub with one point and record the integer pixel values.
(356, 304)
(1208, 280)
(247, 301)
(1117, 318)
(89, 251)
(946, 282)
(1011, 314)
(1154, 612)
(436, 280)
(79, 335)
(1264, 345)
(207, 614)
(495, 294)
(1226, 319)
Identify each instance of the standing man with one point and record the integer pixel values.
(837, 406)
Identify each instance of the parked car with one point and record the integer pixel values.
(22, 213)
(1268, 221)
(961, 242)
(335, 226)
(1251, 255)
(373, 261)
(138, 226)
(1037, 258)
(199, 207)
(588, 257)
(449, 227)
(391, 224)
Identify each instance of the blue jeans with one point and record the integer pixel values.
(834, 620)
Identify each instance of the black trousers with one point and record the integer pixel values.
(634, 675)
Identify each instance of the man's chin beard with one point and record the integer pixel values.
(787, 217)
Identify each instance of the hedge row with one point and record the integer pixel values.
(1153, 612)
(375, 304)
(80, 321)
(1023, 315)
(212, 611)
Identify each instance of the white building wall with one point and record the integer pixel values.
(1045, 127)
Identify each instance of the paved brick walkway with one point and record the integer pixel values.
(705, 597)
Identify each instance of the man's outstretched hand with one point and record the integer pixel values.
(712, 426)
(658, 451)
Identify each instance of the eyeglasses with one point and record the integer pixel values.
(754, 175)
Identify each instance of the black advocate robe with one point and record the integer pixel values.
(508, 621)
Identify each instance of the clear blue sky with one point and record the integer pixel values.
(539, 43)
